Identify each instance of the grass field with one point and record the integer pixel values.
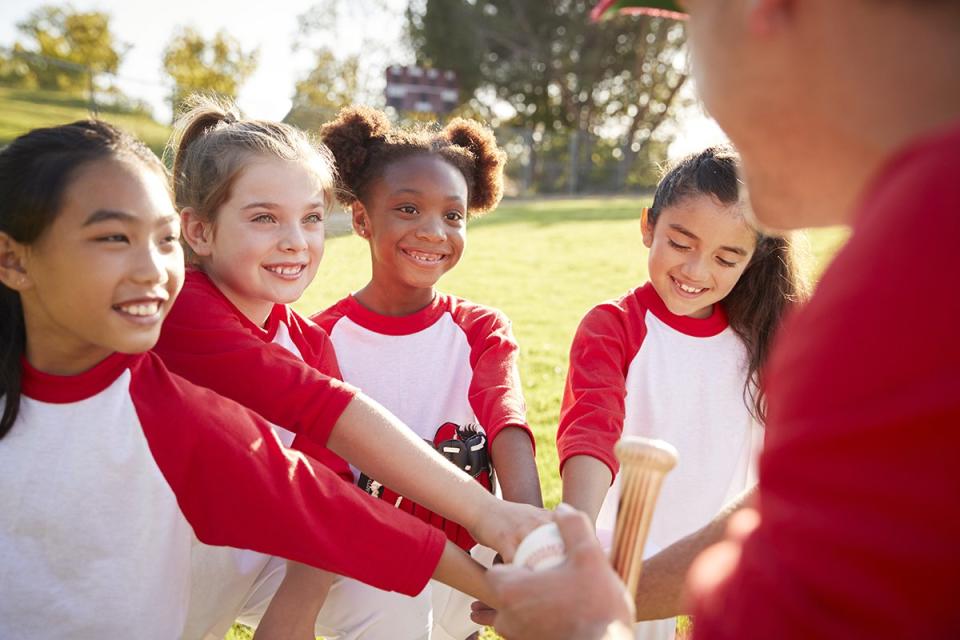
(23, 110)
(544, 263)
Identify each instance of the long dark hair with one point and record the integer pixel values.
(35, 170)
(772, 281)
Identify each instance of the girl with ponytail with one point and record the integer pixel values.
(252, 196)
(111, 467)
(446, 366)
(680, 358)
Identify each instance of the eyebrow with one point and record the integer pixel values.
(420, 193)
(273, 205)
(740, 251)
(105, 215)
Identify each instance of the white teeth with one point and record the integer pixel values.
(141, 309)
(684, 287)
(425, 257)
(286, 271)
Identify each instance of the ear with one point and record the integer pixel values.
(13, 264)
(646, 228)
(765, 17)
(360, 219)
(196, 231)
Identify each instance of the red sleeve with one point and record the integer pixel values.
(592, 410)
(859, 488)
(317, 350)
(204, 340)
(221, 459)
(495, 393)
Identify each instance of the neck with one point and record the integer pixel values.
(256, 311)
(398, 301)
(52, 350)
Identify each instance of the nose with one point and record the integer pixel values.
(293, 239)
(431, 229)
(152, 265)
(696, 267)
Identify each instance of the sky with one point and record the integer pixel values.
(148, 25)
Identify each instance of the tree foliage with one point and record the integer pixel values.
(561, 73)
(62, 48)
(195, 64)
(332, 84)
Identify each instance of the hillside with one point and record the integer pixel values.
(22, 110)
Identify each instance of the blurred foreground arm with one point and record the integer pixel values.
(660, 593)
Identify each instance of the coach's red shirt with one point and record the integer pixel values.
(860, 478)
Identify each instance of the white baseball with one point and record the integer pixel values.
(542, 549)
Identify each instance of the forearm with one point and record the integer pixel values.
(294, 608)
(586, 481)
(458, 570)
(660, 593)
(376, 442)
(512, 456)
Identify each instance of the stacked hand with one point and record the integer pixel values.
(582, 598)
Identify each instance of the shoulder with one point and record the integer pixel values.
(199, 299)
(627, 312)
(329, 317)
(469, 315)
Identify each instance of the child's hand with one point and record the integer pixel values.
(503, 526)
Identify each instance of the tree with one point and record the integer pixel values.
(195, 64)
(331, 84)
(561, 73)
(64, 48)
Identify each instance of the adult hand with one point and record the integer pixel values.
(582, 598)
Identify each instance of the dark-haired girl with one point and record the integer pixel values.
(444, 365)
(679, 358)
(109, 464)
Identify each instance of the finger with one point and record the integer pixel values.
(485, 617)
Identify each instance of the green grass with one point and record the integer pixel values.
(22, 110)
(544, 263)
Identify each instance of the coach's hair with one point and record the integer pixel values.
(364, 144)
(35, 171)
(772, 281)
(212, 144)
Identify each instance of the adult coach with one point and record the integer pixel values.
(844, 113)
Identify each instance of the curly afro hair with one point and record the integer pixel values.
(364, 143)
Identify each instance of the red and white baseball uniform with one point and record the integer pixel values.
(453, 361)
(638, 369)
(106, 476)
(285, 371)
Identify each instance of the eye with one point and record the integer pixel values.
(114, 237)
(677, 246)
(455, 216)
(313, 218)
(408, 209)
(726, 263)
(263, 218)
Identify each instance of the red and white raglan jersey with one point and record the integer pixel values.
(637, 369)
(452, 361)
(106, 476)
(286, 371)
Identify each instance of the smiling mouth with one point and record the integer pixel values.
(286, 270)
(140, 308)
(687, 289)
(425, 257)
